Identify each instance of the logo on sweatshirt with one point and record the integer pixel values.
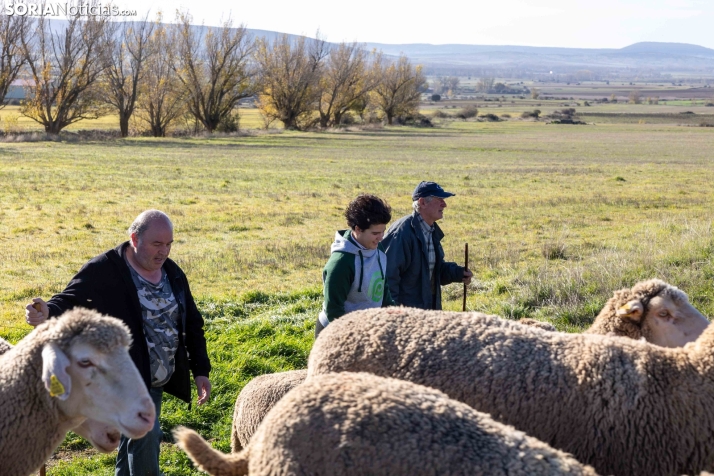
(376, 288)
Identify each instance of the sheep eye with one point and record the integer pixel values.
(84, 363)
(663, 313)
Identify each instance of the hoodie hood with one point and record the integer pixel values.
(345, 243)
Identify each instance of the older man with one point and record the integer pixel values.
(416, 269)
(138, 283)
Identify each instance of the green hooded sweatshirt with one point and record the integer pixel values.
(354, 278)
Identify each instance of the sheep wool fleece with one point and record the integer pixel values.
(360, 424)
(354, 278)
(625, 407)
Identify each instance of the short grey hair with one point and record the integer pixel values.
(415, 203)
(146, 218)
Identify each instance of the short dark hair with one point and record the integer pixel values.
(367, 210)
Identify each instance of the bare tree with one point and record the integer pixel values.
(129, 43)
(399, 88)
(65, 67)
(161, 99)
(485, 84)
(214, 68)
(346, 79)
(452, 84)
(13, 28)
(635, 97)
(289, 79)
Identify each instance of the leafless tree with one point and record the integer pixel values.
(65, 66)
(347, 78)
(215, 69)
(399, 88)
(289, 79)
(161, 99)
(485, 84)
(13, 28)
(129, 43)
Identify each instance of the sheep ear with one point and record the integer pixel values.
(631, 311)
(54, 371)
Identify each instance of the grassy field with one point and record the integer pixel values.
(556, 218)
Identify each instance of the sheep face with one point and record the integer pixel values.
(104, 438)
(103, 386)
(671, 321)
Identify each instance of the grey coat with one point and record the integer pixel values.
(408, 264)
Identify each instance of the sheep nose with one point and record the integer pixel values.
(148, 413)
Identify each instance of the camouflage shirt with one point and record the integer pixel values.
(159, 311)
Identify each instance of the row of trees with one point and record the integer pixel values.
(159, 72)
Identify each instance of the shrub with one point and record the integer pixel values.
(436, 97)
(230, 123)
(505, 116)
(467, 112)
(535, 113)
(490, 117)
(439, 114)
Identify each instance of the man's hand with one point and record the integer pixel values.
(203, 386)
(467, 276)
(35, 317)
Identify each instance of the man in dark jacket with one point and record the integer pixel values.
(138, 283)
(416, 269)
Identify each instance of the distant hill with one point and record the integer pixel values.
(646, 60)
(672, 49)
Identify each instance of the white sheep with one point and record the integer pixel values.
(64, 373)
(652, 310)
(256, 399)
(624, 406)
(103, 437)
(360, 424)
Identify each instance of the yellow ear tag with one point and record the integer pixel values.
(56, 387)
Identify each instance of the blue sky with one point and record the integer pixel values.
(569, 23)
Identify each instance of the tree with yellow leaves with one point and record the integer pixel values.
(399, 88)
(65, 67)
(290, 72)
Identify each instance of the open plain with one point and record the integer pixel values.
(556, 218)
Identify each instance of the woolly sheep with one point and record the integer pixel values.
(256, 399)
(682, 323)
(621, 405)
(538, 324)
(653, 310)
(103, 437)
(356, 423)
(71, 372)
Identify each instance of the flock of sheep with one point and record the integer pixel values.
(405, 391)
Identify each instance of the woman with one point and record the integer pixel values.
(354, 276)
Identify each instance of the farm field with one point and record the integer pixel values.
(556, 218)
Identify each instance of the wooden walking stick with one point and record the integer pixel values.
(466, 266)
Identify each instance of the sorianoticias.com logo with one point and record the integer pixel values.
(65, 9)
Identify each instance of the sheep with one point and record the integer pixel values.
(623, 406)
(4, 346)
(683, 323)
(71, 372)
(256, 399)
(103, 437)
(652, 310)
(357, 423)
(546, 326)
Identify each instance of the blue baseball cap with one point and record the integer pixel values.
(430, 189)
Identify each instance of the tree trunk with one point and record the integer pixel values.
(124, 125)
(389, 118)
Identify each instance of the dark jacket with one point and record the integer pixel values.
(105, 284)
(408, 264)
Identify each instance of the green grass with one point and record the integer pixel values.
(556, 218)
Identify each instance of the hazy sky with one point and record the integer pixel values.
(571, 23)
